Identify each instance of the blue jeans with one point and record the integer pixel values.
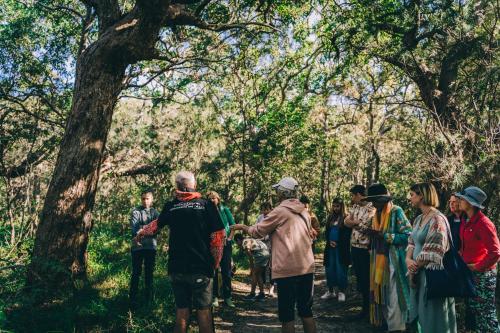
(336, 273)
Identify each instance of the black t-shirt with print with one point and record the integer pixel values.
(190, 223)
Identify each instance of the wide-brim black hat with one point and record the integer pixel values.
(378, 193)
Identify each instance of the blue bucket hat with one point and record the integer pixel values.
(473, 195)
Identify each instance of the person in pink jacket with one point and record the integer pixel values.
(291, 233)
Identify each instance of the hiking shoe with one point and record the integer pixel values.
(215, 302)
(229, 302)
(260, 297)
(341, 297)
(273, 291)
(328, 295)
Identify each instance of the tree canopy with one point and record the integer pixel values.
(100, 99)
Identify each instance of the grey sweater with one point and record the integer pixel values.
(139, 217)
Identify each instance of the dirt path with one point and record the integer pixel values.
(261, 317)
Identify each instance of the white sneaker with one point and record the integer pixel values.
(327, 295)
(341, 297)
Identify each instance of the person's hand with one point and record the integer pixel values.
(412, 266)
(231, 235)
(333, 244)
(375, 233)
(236, 227)
(239, 227)
(355, 222)
(313, 233)
(138, 237)
(472, 267)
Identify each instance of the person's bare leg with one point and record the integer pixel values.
(309, 324)
(258, 273)
(181, 320)
(254, 280)
(288, 327)
(205, 321)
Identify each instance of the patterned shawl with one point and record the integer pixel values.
(436, 241)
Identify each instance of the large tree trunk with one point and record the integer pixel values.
(59, 253)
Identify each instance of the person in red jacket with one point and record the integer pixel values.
(480, 250)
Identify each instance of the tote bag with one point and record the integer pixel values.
(454, 280)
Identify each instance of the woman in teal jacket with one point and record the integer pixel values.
(225, 264)
(389, 290)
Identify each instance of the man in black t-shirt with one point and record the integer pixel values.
(195, 249)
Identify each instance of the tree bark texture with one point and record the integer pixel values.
(62, 236)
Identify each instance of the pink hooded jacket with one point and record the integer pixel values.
(290, 239)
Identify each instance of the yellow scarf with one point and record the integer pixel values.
(381, 259)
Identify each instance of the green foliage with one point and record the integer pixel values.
(101, 305)
(336, 94)
(449, 51)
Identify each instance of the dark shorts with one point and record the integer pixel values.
(295, 291)
(192, 291)
(261, 260)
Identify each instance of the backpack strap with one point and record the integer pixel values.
(308, 225)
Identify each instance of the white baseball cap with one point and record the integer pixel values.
(287, 183)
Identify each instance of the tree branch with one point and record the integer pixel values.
(62, 8)
(184, 17)
(33, 158)
(11, 267)
(108, 12)
(25, 110)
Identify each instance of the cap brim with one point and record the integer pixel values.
(378, 198)
(461, 196)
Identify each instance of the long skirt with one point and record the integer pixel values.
(336, 273)
(432, 315)
(394, 316)
(480, 311)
